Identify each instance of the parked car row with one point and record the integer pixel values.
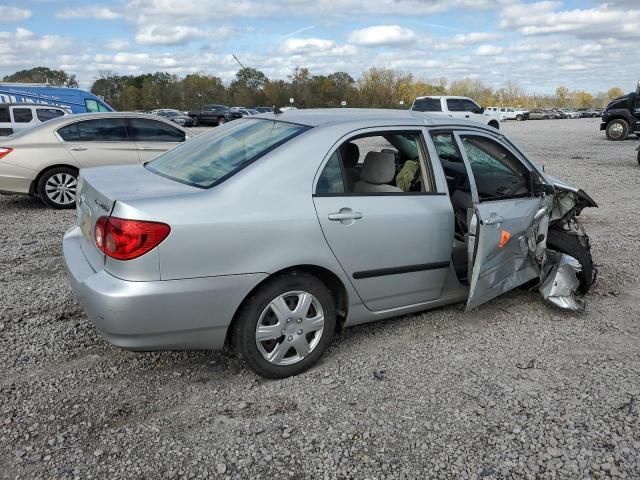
(44, 161)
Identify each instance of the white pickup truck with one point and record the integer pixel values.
(456, 107)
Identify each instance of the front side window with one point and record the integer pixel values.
(210, 158)
(45, 114)
(496, 171)
(469, 106)
(99, 130)
(427, 105)
(22, 115)
(144, 130)
(385, 162)
(455, 105)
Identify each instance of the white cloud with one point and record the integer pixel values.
(488, 50)
(382, 35)
(305, 45)
(117, 44)
(175, 34)
(13, 14)
(475, 37)
(89, 11)
(542, 18)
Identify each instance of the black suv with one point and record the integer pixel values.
(622, 116)
(214, 115)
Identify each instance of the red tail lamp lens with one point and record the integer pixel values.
(5, 151)
(124, 239)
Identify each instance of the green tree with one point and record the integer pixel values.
(58, 78)
(562, 96)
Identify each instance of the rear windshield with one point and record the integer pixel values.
(211, 158)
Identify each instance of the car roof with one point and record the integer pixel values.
(23, 104)
(314, 117)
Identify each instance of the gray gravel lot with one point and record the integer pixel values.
(515, 389)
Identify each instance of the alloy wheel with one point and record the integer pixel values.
(61, 188)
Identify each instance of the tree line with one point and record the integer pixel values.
(376, 88)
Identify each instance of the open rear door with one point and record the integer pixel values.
(507, 224)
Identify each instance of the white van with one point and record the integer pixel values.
(20, 116)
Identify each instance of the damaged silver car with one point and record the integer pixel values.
(269, 233)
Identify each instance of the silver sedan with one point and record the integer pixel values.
(44, 161)
(271, 232)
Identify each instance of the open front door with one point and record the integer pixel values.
(508, 222)
(503, 257)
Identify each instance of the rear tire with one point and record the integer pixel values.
(298, 340)
(221, 121)
(57, 187)
(195, 122)
(617, 130)
(578, 247)
(519, 118)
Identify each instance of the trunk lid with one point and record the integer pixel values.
(100, 188)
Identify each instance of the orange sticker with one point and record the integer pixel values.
(504, 238)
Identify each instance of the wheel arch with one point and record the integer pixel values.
(326, 276)
(495, 124)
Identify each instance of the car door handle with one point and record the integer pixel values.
(493, 220)
(345, 216)
(79, 149)
(466, 116)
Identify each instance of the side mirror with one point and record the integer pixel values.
(481, 109)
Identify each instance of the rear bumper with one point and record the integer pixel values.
(158, 315)
(15, 179)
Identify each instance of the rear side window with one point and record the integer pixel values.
(4, 115)
(45, 114)
(92, 105)
(211, 158)
(144, 130)
(22, 115)
(427, 105)
(102, 130)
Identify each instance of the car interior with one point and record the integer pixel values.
(379, 163)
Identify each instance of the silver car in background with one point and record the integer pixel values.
(269, 233)
(44, 161)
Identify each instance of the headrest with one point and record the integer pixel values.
(350, 155)
(378, 168)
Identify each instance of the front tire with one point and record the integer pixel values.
(286, 325)
(519, 118)
(617, 130)
(578, 247)
(57, 187)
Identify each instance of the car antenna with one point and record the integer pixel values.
(276, 109)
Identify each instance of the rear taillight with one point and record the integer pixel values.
(124, 239)
(5, 151)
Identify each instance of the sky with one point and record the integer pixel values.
(582, 44)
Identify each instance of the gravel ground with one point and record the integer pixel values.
(515, 389)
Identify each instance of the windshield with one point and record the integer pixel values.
(211, 158)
